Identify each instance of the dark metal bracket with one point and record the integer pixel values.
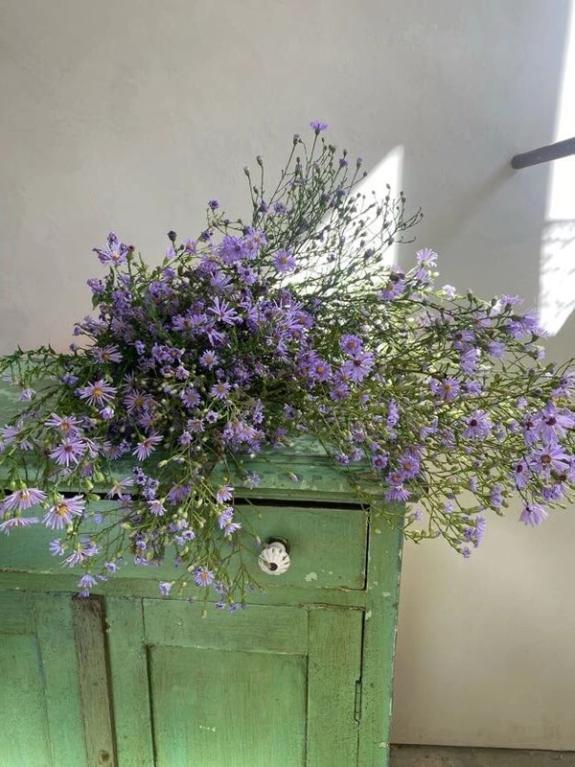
(544, 154)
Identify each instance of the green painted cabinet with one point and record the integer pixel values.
(269, 685)
(300, 678)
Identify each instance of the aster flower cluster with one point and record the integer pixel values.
(292, 322)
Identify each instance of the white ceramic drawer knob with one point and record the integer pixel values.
(274, 558)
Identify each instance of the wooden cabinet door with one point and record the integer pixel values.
(266, 686)
(40, 713)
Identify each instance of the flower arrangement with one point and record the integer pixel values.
(255, 332)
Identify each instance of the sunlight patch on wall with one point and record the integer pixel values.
(389, 171)
(385, 178)
(557, 268)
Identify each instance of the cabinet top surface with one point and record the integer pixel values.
(300, 469)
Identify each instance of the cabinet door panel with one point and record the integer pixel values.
(268, 685)
(214, 708)
(39, 691)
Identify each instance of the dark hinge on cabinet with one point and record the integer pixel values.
(357, 704)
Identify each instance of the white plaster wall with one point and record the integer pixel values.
(130, 115)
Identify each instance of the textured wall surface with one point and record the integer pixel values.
(131, 115)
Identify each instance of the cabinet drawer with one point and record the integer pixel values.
(327, 546)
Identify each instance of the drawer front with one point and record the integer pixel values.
(327, 548)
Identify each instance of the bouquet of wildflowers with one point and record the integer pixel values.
(256, 331)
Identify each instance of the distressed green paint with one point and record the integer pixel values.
(302, 677)
(380, 625)
(326, 543)
(334, 670)
(130, 688)
(95, 690)
(40, 706)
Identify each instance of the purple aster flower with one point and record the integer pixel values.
(478, 425)
(521, 474)
(320, 371)
(56, 547)
(427, 257)
(116, 253)
(555, 423)
(86, 584)
(393, 289)
(203, 577)
(231, 528)
(284, 261)
(14, 522)
(392, 414)
(379, 460)
(225, 494)
(358, 367)
(68, 451)
(496, 349)
(26, 395)
(213, 204)
(165, 588)
(449, 291)
(409, 465)
(107, 413)
(62, 512)
(551, 458)
(95, 285)
(533, 514)
(351, 345)
(190, 397)
(136, 400)
(146, 446)
(447, 389)
(13, 434)
(98, 393)
(496, 497)
(220, 390)
(225, 517)
(208, 359)
(469, 361)
(178, 493)
(553, 492)
(106, 354)
(397, 493)
(224, 312)
(119, 488)
(22, 499)
(156, 508)
(233, 249)
(69, 379)
(318, 126)
(85, 549)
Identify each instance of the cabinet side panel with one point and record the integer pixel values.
(384, 567)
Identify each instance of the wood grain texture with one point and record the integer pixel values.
(255, 629)
(224, 708)
(384, 566)
(39, 689)
(61, 678)
(334, 670)
(130, 695)
(95, 692)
